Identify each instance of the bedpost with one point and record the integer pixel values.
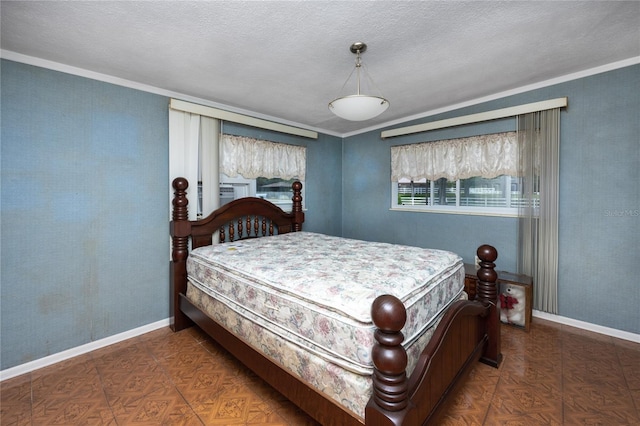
(390, 383)
(297, 206)
(487, 293)
(180, 229)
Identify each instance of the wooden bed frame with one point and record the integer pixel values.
(468, 331)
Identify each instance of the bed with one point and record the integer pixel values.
(332, 339)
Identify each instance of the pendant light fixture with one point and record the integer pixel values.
(358, 107)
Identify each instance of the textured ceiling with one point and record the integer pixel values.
(286, 60)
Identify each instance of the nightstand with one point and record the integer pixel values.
(512, 312)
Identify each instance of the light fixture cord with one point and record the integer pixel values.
(358, 66)
(345, 82)
(371, 82)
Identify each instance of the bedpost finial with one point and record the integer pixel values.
(388, 313)
(180, 183)
(180, 200)
(389, 358)
(487, 253)
(296, 208)
(487, 294)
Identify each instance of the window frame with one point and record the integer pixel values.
(252, 191)
(284, 202)
(451, 209)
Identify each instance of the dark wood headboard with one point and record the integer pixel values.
(248, 217)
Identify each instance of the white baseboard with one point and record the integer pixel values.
(79, 350)
(625, 335)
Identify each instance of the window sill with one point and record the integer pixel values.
(457, 210)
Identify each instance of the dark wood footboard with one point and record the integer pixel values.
(464, 335)
(468, 331)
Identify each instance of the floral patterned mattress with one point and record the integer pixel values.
(349, 389)
(315, 291)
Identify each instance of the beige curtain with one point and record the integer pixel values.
(487, 156)
(252, 158)
(539, 142)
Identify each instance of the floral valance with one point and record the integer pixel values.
(487, 156)
(252, 158)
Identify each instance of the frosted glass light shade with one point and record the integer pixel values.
(358, 107)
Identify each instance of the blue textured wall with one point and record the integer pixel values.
(84, 220)
(600, 200)
(599, 262)
(84, 180)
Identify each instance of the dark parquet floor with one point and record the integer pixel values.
(553, 375)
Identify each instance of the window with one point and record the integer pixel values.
(195, 145)
(500, 195)
(444, 176)
(276, 190)
(261, 169)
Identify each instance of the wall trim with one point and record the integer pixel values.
(224, 115)
(79, 350)
(523, 89)
(106, 78)
(477, 118)
(624, 335)
(56, 66)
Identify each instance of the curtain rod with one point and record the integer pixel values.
(476, 118)
(239, 118)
